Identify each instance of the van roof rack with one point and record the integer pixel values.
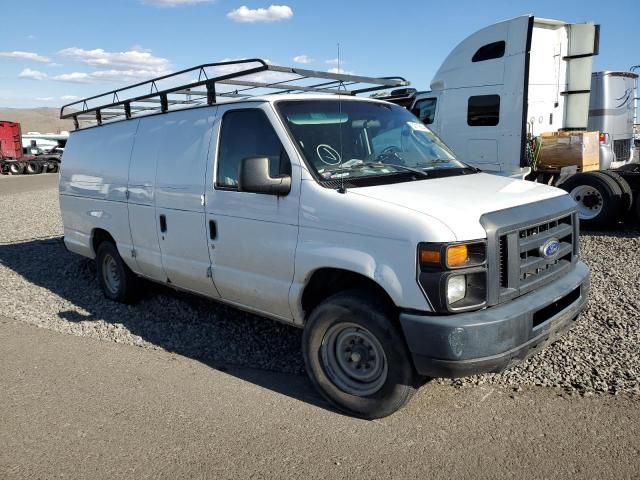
(222, 80)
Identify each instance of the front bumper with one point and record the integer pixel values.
(493, 339)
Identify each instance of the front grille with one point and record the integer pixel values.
(622, 149)
(522, 267)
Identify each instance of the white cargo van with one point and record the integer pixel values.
(338, 214)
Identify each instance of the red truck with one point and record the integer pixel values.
(13, 160)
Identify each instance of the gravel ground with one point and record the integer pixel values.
(41, 283)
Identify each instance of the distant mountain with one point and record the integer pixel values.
(43, 120)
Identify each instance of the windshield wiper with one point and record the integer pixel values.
(417, 171)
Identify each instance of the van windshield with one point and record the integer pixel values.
(356, 139)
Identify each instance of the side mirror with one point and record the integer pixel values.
(254, 177)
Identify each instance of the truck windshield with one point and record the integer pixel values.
(352, 139)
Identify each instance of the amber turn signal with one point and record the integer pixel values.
(457, 255)
(430, 257)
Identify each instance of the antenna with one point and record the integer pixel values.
(340, 85)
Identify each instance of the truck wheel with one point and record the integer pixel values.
(16, 168)
(627, 193)
(116, 279)
(637, 208)
(356, 356)
(53, 168)
(599, 199)
(33, 167)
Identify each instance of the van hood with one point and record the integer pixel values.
(460, 201)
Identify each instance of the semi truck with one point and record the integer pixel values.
(506, 88)
(16, 159)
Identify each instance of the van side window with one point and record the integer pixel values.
(483, 111)
(425, 110)
(489, 51)
(248, 133)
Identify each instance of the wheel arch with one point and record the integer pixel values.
(326, 281)
(99, 235)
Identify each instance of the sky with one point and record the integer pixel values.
(53, 52)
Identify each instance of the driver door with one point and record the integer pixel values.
(252, 236)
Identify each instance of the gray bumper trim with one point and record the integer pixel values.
(491, 340)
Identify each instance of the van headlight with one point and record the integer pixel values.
(453, 276)
(456, 288)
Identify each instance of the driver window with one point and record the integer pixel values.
(247, 133)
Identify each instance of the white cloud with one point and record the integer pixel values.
(31, 56)
(302, 59)
(113, 75)
(69, 98)
(44, 99)
(340, 70)
(74, 77)
(273, 13)
(134, 64)
(136, 59)
(32, 74)
(335, 61)
(174, 3)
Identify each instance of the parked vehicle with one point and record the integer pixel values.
(342, 215)
(505, 86)
(611, 112)
(37, 143)
(15, 161)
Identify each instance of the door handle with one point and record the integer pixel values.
(213, 230)
(163, 223)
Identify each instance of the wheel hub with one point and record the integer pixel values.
(590, 201)
(110, 274)
(354, 359)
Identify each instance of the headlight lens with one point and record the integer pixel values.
(456, 288)
(453, 276)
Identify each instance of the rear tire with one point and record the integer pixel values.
(33, 167)
(356, 356)
(599, 199)
(15, 168)
(116, 279)
(636, 208)
(627, 193)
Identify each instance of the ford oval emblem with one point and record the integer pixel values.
(550, 248)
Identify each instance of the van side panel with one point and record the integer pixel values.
(93, 184)
(179, 198)
(142, 216)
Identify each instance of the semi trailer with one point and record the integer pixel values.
(13, 158)
(506, 89)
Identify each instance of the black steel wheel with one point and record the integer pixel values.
(116, 279)
(356, 355)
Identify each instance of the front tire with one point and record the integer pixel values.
(356, 356)
(116, 279)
